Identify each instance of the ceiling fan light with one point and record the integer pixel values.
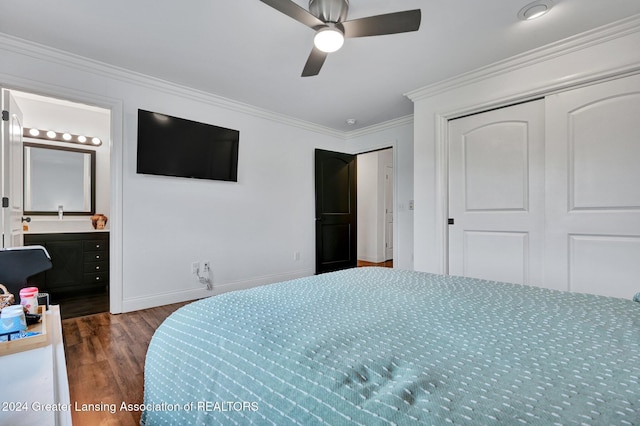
(328, 39)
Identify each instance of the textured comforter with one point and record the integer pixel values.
(380, 346)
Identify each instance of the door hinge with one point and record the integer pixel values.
(5, 201)
(450, 221)
(5, 115)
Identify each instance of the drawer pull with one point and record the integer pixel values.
(97, 256)
(97, 246)
(97, 268)
(97, 278)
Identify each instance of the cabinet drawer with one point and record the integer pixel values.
(96, 278)
(96, 267)
(95, 245)
(96, 256)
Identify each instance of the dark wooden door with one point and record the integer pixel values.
(336, 216)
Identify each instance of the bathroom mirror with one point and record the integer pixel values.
(57, 178)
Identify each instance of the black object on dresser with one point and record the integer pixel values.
(80, 267)
(17, 264)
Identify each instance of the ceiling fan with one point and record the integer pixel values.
(327, 18)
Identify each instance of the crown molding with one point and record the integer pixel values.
(574, 43)
(81, 63)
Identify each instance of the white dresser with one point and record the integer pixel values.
(34, 386)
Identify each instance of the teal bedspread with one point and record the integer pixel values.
(376, 346)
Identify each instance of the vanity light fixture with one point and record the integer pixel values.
(50, 135)
(535, 10)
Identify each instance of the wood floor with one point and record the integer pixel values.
(105, 361)
(387, 264)
(79, 305)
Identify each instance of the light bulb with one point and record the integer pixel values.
(328, 39)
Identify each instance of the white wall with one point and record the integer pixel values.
(371, 204)
(249, 230)
(368, 207)
(565, 64)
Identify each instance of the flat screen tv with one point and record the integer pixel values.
(171, 146)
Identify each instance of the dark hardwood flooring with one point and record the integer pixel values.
(105, 357)
(77, 305)
(387, 264)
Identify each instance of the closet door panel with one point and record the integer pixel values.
(495, 167)
(604, 154)
(496, 194)
(593, 188)
(498, 256)
(599, 264)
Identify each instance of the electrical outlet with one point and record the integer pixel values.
(195, 267)
(206, 266)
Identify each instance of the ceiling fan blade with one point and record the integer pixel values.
(314, 63)
(296, 12)
(390, 23)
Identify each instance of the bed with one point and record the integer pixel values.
(378, 346)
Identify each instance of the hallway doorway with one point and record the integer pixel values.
(79, 278)
(375, 206)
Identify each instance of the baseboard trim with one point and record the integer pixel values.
(152, 301)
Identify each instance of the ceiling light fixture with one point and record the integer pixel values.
(329, 39)
(535, 10)
(59, 137)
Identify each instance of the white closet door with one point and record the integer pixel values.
(593, 189)
(496, 194)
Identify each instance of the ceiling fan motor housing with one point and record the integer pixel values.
(329, 10)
